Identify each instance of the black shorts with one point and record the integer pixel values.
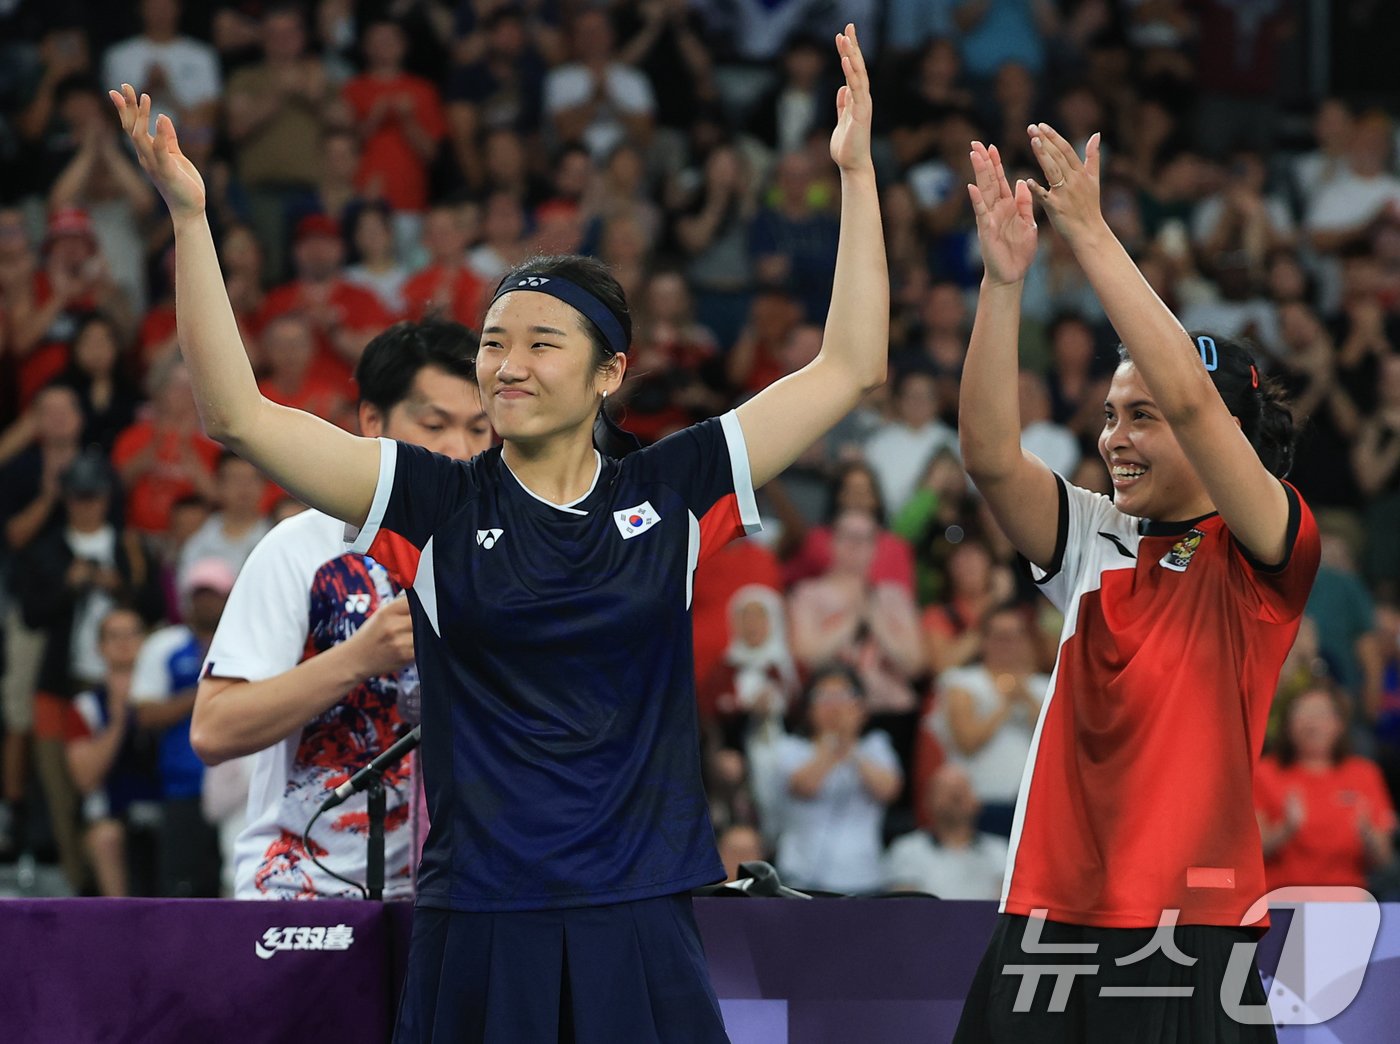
(1095, 1006)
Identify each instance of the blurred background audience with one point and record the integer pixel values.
(369, 161)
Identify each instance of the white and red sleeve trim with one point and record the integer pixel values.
(361, 538)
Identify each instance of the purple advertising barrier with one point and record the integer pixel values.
(74, 971)
(868, 970)
(890, 971)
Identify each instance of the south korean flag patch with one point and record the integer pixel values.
(636, 520)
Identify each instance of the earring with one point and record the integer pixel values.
(605, 395)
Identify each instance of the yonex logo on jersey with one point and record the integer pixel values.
(635, 520)
(1179, 557)
(487, 537)
(357, 603)
(533, 281)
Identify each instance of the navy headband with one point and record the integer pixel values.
(577, 297)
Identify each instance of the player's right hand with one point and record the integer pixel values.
(176, 178)
(385, 642)
(1006, 229)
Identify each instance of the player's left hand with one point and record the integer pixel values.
(1070, 194)
(850, 141)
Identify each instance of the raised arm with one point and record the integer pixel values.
(1250, 499)
(788, 416)
(315, 461)
(1019, 489)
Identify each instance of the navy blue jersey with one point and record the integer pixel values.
(560, 752)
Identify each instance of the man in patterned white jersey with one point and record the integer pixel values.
(304, 668)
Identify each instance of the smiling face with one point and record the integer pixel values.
(1151, 476)
(537, 369)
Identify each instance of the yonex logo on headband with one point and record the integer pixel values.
(577, 297)
(1209, 354)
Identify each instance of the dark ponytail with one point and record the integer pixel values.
(1278, 433)
(1259, 403)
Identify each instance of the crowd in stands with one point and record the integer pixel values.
(870, 668)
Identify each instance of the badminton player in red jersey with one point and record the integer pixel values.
(1181, 596)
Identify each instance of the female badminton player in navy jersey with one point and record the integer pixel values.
(550, 589)
(1181, 595)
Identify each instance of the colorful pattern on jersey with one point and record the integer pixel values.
(346, 591)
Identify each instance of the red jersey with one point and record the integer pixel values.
(1138, 792)
(1327, 849)
(49, 357)
(356, 308)
(458, 291)
(893, 562)
(149, 499)
(390, 168)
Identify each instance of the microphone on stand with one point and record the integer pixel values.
(367, 776)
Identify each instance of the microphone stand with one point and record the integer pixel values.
(373, 777)
(374, 866)
(369, 778)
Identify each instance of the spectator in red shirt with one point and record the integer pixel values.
(754, 362)
(75, 279)
(344, 316)
(675, 378)
(165, 456)
(853, 488)
(288, 351)
(243, 261)
(447, 286)
(976, 583)
(1324, 813)
(400, 120)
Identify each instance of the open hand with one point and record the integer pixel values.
(1071, 192)
(1005, 219)
(168, 168)
(850, 141)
